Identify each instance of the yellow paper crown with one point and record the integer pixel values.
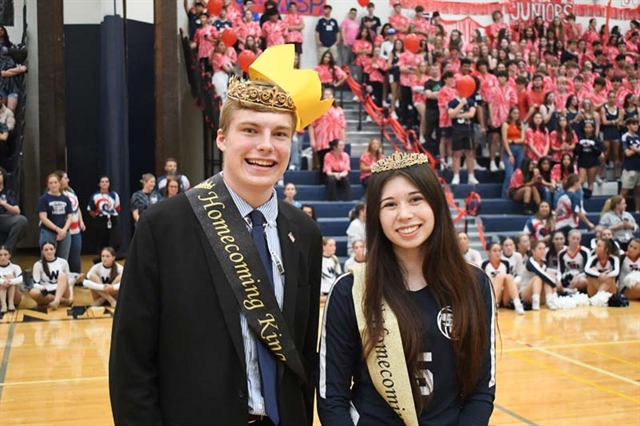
(398, 160)
(303, 87)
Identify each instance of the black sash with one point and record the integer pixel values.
(238, 256)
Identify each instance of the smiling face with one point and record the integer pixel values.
(49, 252)
(406, 217)
(256, 147)
(149, 184)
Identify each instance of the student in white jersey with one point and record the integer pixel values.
(504, 287)
(513, 258)
(10, 278)
(571, 263)
(103, 279)
(603, 268)
(536, 278)
(331, 269)
(629, 280)
(50, 278)
(471, 255)
(358, 256)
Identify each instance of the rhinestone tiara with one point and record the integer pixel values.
(398, 160)
(270, 96)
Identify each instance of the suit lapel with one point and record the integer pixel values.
(227, 301)
(288, 233)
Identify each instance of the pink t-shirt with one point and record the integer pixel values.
(555, 147)
(326, 76)
(362, 58)
(351, 29)
(329, 127)
(408, 59)
(367, 159)
(336, 164)
(274, 32)
(375, 74)
(294, 20)
(538, 140)
(445, 95)
(501, 99)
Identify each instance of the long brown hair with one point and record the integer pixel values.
(450, 280)
(114, 267)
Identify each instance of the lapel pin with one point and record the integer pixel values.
(291, 237)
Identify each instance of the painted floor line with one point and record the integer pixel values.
(50, 381)
(5, 357)
(590, 367)
(570, 345)
(514, 415)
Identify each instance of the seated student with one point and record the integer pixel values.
(629, 280)
(358, 256)
(13, 225)
(607, 234)
(330, 266)
(310, 211)
(513, 258)
(504, 287)
(51, 278)
(471, 255)
(356, 230)
(522, 186)
(523, 246)
(103, 279)
(336, 168)
(10, 278)
(541, 225)
(603, 268)
(615, 217)
(553, 249)
(289, 195)
(370, 156)
(535, 278)
(597, 230)
(571, 263)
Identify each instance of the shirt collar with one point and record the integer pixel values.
(268, 209)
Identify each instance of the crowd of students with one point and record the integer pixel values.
(542, 262)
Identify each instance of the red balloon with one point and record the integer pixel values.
(466, 86)
(412, 43)
(214, 7)
(363, 3)
(245, 59)
(229, 37)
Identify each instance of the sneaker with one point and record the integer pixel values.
(493, 167)
(519, 309)
(501, 165)
(385, 104)
(422, 139)
(394, 115)
(443, 167)
(479, 168)
(292, 168)
(455, 180)
(472, 180)
(599, 180)
(449, 162)
(551, 302)
(355, 99)
(368, 119)
(535, 305)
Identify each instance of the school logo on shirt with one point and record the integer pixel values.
(58, 207)
(445, 321)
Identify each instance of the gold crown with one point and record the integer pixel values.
(398, 160)
(297, 91)
(205, 184)
(269, 96)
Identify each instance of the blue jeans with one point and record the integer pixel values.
(518, 154)
(75, 264)
(62, 247)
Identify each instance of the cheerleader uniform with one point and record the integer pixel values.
(516, 265)
(611, 132)
(627, 266)
(11, 269)
(346, 394)
(536, 228)
(534, 269)
(47, 283)
(551, 261)
(105, 277)
(570, 266)
(494, 270)
(594, 267)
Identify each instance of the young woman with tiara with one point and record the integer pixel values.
(10, 278)
(417, 302)
(103, 279)
(50, 278)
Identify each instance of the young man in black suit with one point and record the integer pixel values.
(217, 317)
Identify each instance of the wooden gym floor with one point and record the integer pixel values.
(576, 367)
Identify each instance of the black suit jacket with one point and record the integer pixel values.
(177, 355)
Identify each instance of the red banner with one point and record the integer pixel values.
(527, 10)
(472, 8)
(305, 7)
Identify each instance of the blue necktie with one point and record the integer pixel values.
(266, 360)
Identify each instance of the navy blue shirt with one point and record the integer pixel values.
(221, 25)
(57, 208)
(462, 125)
(345, 387)
(628, 141)
(10, 197)
(328, 30)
